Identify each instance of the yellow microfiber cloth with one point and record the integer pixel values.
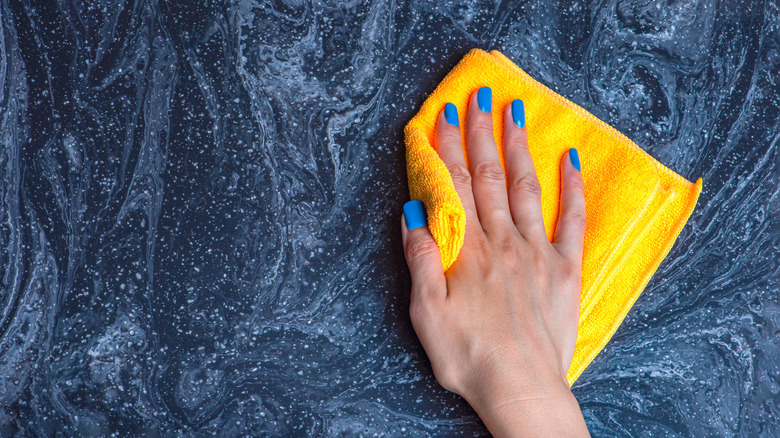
(636, 206)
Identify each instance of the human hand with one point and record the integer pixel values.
(499, 327)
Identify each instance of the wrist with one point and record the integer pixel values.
(524, 400)
(500, 378)
(494, 392)
(513, 412)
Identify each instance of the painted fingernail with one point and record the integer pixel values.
(518, 113)
(451, 114)
(414, 212)
(575, 158)
(485, 99)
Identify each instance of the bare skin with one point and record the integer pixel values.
(499, 327)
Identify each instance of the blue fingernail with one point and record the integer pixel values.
(575, 158)
(485, 99)
(518, 113)
(451, 114)
(414, 212)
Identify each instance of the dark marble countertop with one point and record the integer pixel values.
(201, 208)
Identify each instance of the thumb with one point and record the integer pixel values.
(422, 254)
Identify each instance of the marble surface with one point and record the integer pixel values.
(201, 205)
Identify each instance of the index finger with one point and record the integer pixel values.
(449, 146)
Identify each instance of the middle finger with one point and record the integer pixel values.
(488, 179)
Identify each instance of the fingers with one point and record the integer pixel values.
(523, 186)
(422, 254)
(449, 146)
(488, 179)
(570, 231)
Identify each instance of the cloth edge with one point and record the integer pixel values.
(515, 69)
(693, 197)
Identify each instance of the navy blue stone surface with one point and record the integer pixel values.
(200, 210)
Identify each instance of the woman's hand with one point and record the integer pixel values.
(500, 326)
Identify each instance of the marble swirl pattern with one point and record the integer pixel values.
(201, 202)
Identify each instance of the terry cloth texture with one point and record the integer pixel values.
(636, 206)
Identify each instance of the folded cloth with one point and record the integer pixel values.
(636, 206)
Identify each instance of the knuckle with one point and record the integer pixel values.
(569, 272)
(511, 252)
(577, 184)
(490, 172)
(507, 245)
(578, 220)
(420, 248)
(482, 128)
(450, 137)
(460, 174)
(480, 252)
(516, 141)
(481, 246)
(528, 185)
(484, 262)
